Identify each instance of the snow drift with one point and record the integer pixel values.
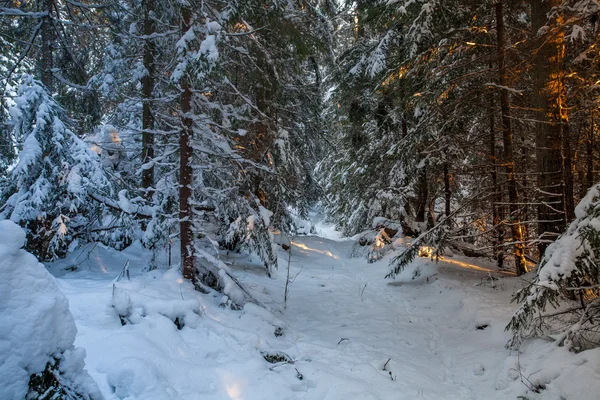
(37, 329)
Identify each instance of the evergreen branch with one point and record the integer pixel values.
(110, 203)
(402, 260)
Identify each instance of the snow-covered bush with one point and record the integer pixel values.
(37, 330)
(376, 242)
(48, 191)
(563, 300)
(372, 244)
(248, 229)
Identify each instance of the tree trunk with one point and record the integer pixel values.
(148, 82)
(590, 158)
(47, 62)
(568, 174)
(447, 191)
(507, 138)
(551, 119)
(422, 197)
(357, 15)
(498, 240)
(525, 188)
(185, 170)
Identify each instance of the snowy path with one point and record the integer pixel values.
(343, 322)
(349, 322)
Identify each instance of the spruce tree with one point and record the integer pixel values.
(562, 301)
(48, 192)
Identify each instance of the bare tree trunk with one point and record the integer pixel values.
(507, 138)
(357, 14)
(423, 195)
(148, 82)
(525, 189)
(568, 174)
(447, 190)
(590, 157)
(498, 240)
(47, 62)
(551, 116)
(185, 170)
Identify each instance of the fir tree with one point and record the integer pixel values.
(48, 190)
(562, 301)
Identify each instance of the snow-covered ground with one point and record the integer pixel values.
(437, 332)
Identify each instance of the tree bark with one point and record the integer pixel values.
(498, 240)
(507, 139)
(423, 195)
(47, 62)
(568, 174)
(358, 13)
(185, 170)
(590, 157)
(148, 82)
(551, 118)
(524, 188)
(447, 190)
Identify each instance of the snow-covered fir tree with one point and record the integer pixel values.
(562, 301)
(48, 191)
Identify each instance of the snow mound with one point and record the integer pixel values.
(36, 326)
(12, 238)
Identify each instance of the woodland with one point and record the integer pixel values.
(200, 130)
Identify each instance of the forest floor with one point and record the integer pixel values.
(436, 332)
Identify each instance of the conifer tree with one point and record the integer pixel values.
(49, 191)
(562, 301)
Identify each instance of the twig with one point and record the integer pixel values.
(124, 272)
(361, 293)
(529, 385)
(342, 339)
(287, 279)
(386, 363)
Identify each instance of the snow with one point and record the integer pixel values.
(265, 214)
(35, 322)
(182, 43)
(124, 202)
(28, 156)
(209, 48)
(377, 60)
(564, 252)
(12, 238)
(437, 332)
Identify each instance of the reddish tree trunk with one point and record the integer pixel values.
(185, 171)
(551, 119)
(148, 83)
(568, 174)
(590, 157)
(507, 139)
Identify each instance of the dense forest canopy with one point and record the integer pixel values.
(467, 125)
